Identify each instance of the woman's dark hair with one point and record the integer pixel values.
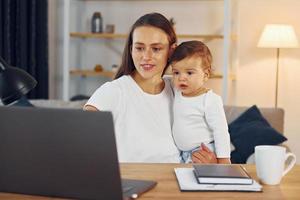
(152, 19)
(193, 48)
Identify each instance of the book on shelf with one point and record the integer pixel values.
(222, 174)
(187, 182)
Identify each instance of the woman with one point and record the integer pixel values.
(139, 98)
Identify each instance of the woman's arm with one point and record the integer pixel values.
(105, 98)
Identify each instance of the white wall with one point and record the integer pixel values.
(257, 66)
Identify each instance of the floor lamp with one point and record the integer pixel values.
(278, 36)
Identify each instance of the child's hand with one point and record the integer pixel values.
(204, 155)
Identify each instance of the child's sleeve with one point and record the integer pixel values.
(216, 119)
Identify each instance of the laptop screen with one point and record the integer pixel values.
(58, 152)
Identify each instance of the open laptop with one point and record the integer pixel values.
(61, 153)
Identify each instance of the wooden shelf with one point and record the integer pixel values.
(190, 36)
(97, 35)
(92, 73)
(217, 75)
(121, 36)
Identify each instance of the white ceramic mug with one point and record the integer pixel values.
(270, 163)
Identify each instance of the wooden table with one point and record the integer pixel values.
(167, 187)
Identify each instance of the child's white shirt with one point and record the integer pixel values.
(200, 119)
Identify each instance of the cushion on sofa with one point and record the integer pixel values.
(249, 130)
(55, 103)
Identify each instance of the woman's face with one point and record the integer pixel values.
(150, 51)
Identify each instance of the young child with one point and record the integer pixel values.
(199, 115)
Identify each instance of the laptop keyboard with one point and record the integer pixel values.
(126, 188)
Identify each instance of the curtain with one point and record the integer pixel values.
(24, 39)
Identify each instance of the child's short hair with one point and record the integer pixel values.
(193, 48)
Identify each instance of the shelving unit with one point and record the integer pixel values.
(67, 35)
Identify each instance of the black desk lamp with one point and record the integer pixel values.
(14, 82)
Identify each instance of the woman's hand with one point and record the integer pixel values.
(90, 108)
(204, 155)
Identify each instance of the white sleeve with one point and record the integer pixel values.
(216, 119)
(106, 98)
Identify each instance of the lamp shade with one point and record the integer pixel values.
(14, 83)
(278, 36)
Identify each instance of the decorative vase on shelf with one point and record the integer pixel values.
(97, 23)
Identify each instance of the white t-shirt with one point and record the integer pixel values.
(142, 121)
(200, 119)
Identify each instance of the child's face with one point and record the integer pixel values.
(189, 76)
